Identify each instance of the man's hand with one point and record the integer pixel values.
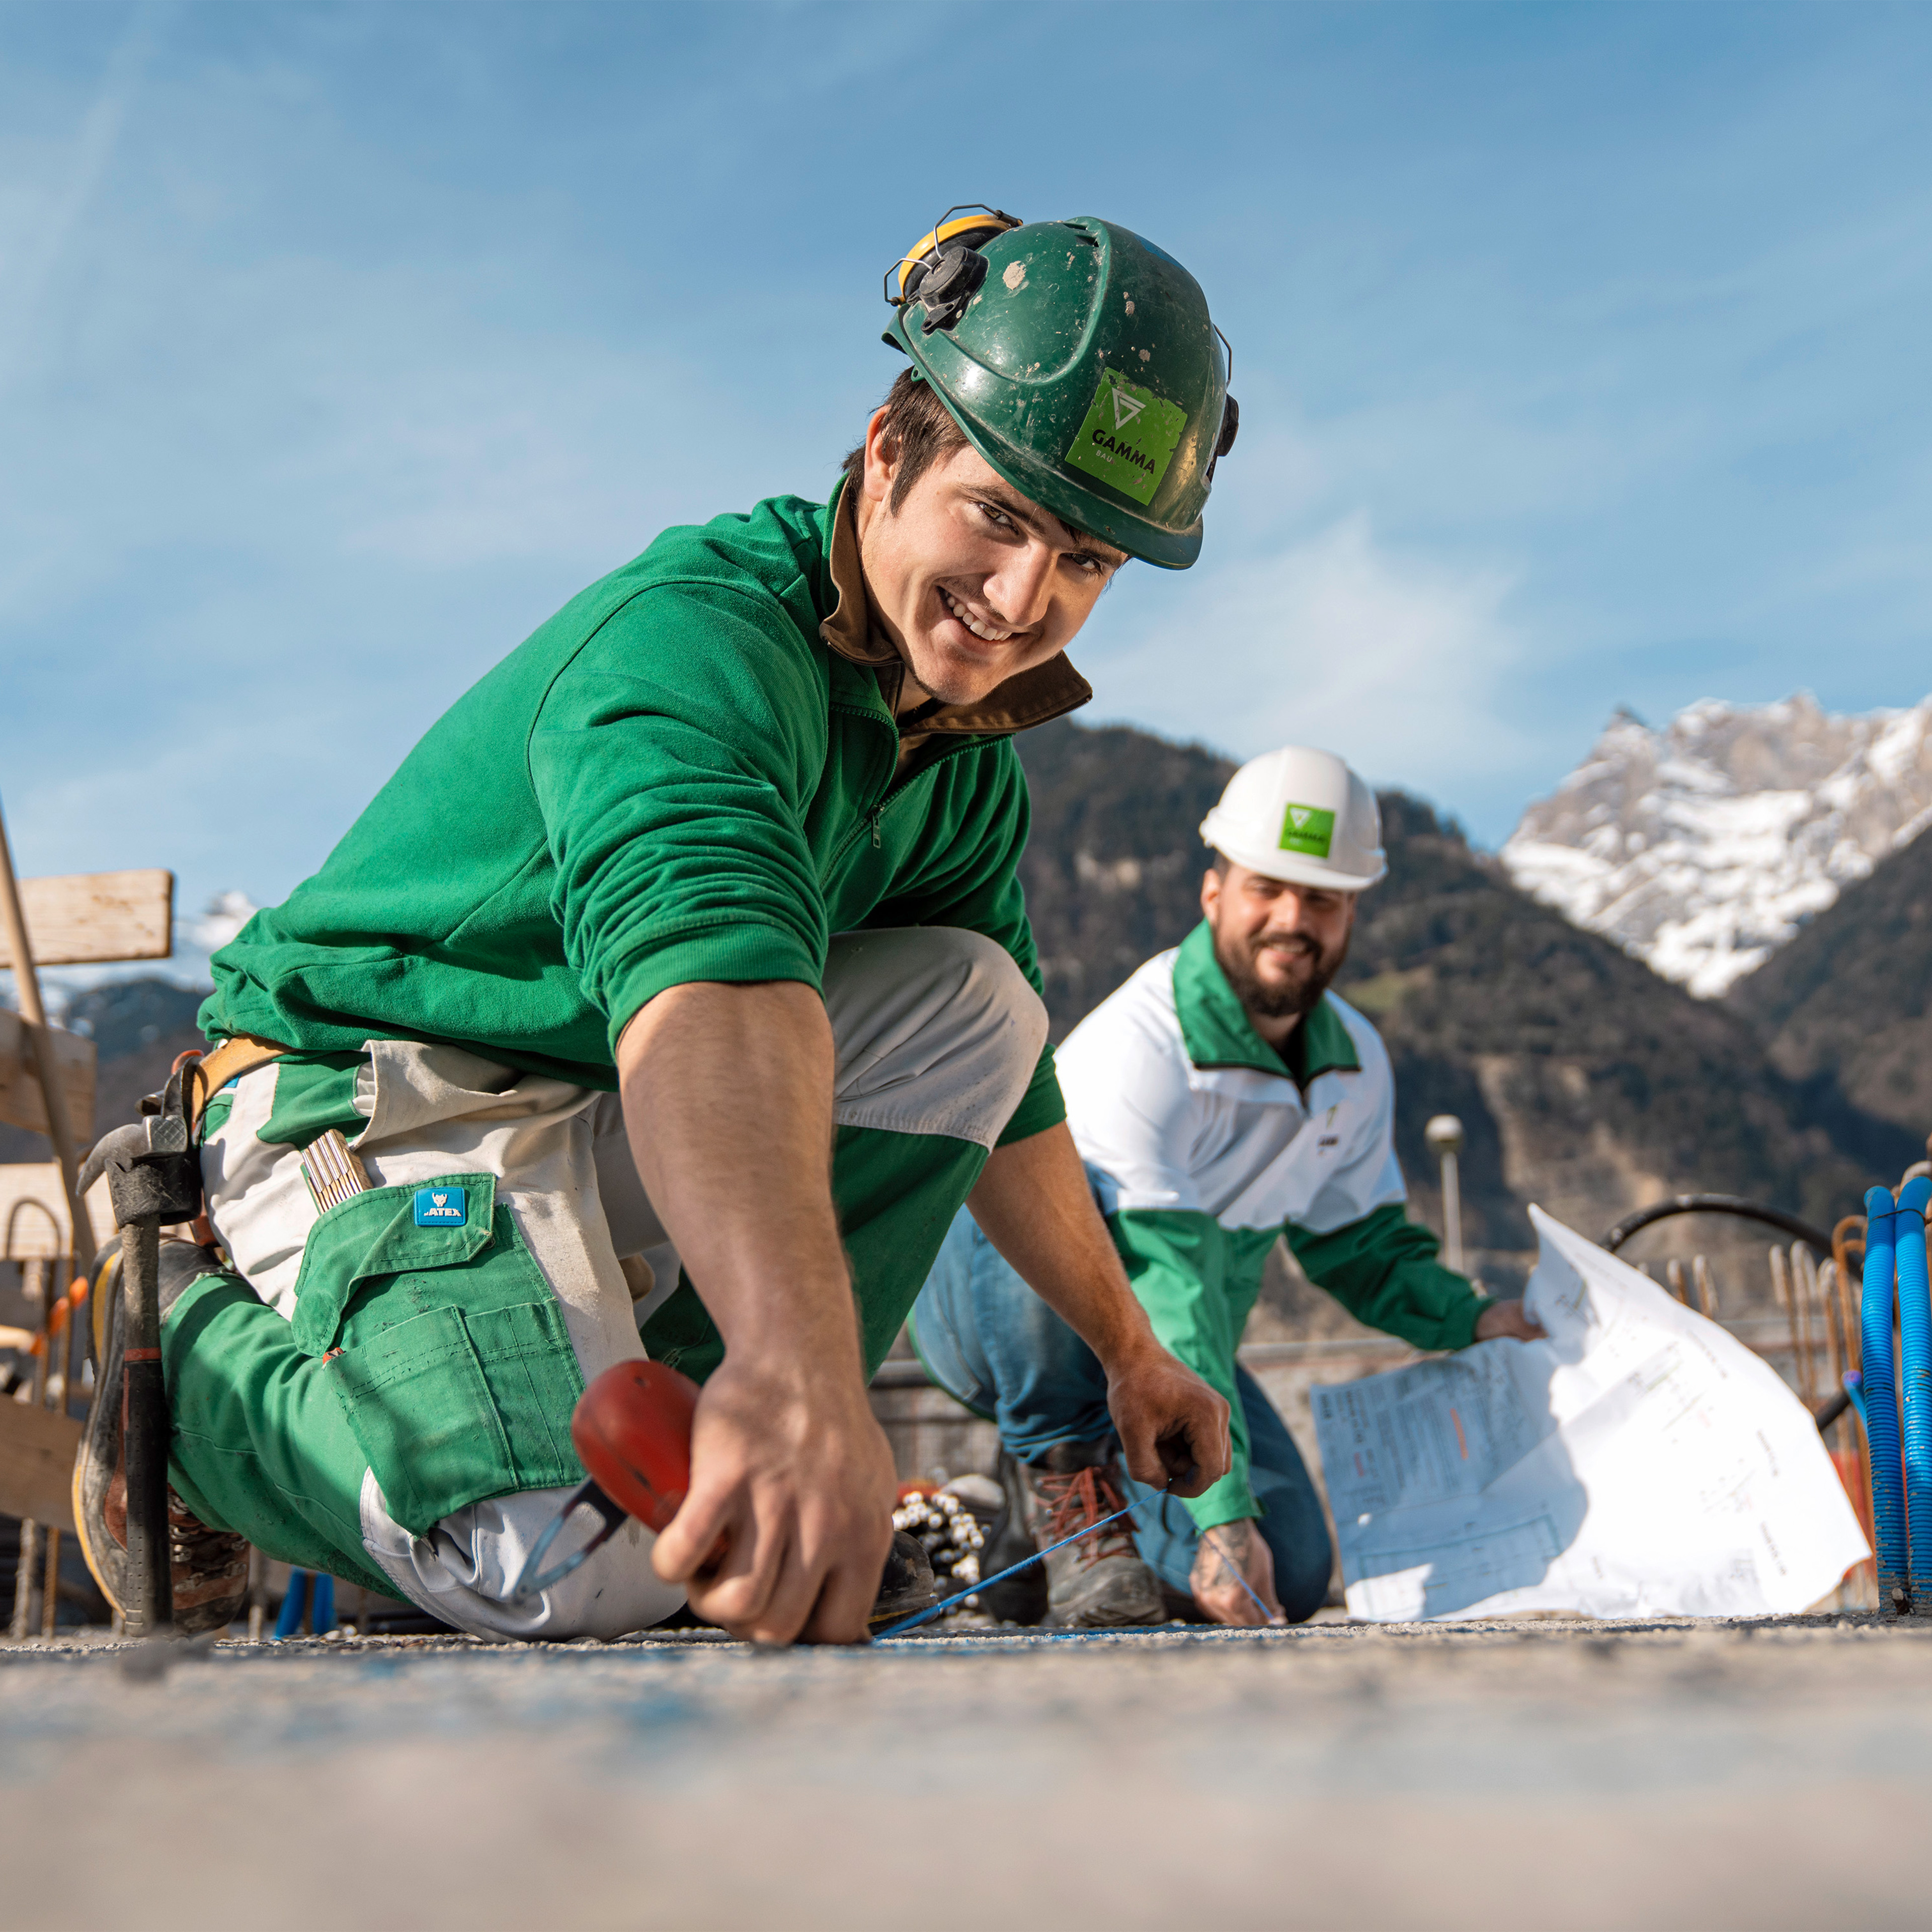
(728, 1100)
(1173, 1427)
(792, 1476)
(1228, 1552)
(1507, 1317)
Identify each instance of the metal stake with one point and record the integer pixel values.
(1443, 1134)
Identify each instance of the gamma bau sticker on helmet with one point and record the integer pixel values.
(1128, 438)
(1307, 830)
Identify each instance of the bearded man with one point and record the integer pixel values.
(1222, 1099)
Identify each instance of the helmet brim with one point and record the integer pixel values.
(1294, 870)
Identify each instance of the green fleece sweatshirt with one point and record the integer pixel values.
(691, 772)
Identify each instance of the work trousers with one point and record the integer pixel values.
(992, 1343)
(383, 1390)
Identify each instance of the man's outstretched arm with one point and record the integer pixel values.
(1036, 1207)
(727, 1101)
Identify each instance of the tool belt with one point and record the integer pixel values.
(205, 1077)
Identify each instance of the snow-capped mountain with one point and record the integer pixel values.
(1703, 846)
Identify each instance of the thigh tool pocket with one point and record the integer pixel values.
(445, 1344)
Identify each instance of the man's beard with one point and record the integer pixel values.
(1310, 972)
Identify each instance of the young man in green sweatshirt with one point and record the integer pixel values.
(681, 977)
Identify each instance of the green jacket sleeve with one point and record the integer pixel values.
(1383, 1270)
(1176, 1259)
(673, 761)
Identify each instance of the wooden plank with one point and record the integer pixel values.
(84, 919)
(37, 1447)
(33, 1211)
(22, 1103)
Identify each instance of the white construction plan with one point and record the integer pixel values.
(1641, 1462)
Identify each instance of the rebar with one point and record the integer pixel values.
(1804, 1277)
(1707, 1289)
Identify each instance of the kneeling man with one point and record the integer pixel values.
(1222, 1099)
(691, 931)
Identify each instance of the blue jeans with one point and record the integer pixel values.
(992, 1343)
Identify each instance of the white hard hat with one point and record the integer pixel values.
(1301, 815)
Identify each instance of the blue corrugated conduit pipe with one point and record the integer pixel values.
(1854, 1393)
(313, 1594)
(294, 1601)
(1882, 1400)
(1914, 1347)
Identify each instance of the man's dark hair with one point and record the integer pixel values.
(920, 430)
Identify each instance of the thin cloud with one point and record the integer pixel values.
(1398, 662)
(50, 229)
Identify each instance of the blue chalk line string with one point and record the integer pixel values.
(926, 1616)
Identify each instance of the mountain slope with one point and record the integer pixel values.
(1847, 1007)
(1703, 847)
(1112, 870)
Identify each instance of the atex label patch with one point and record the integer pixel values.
(1129, 437)
(1306, 830)
(441, 1207)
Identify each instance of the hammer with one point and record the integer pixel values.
(149, 1190)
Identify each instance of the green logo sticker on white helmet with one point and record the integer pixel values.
(1129, 437)
(1306, 829)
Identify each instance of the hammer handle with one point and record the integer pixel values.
(149, 1607)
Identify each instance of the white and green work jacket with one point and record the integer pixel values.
(1210, 1146)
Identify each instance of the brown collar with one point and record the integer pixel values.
(1047, 692)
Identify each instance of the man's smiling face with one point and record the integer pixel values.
(970, 582)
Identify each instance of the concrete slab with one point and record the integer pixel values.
(1527, 1774)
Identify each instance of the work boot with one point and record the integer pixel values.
(208, 1568)
(1020, 1599)
(1098, 1582)
(907, 1586)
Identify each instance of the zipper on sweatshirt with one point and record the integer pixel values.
(874, 817)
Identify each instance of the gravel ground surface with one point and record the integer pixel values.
(1538, 1774)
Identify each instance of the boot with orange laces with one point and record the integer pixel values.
(1099, 1581)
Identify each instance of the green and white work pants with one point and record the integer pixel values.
(384, 1390)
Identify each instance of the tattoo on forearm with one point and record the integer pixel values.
(1228, 1543)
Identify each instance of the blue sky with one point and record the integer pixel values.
(1582, 353)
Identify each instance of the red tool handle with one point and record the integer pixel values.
(632, 1428)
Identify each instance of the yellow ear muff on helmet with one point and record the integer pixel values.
(944, 269)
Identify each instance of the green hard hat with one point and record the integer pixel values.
(1082, 364)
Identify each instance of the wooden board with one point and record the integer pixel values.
(22, 1103)
(37, 1447)
(32, 1207)
(85, 918)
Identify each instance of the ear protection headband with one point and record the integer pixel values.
(944, 269)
